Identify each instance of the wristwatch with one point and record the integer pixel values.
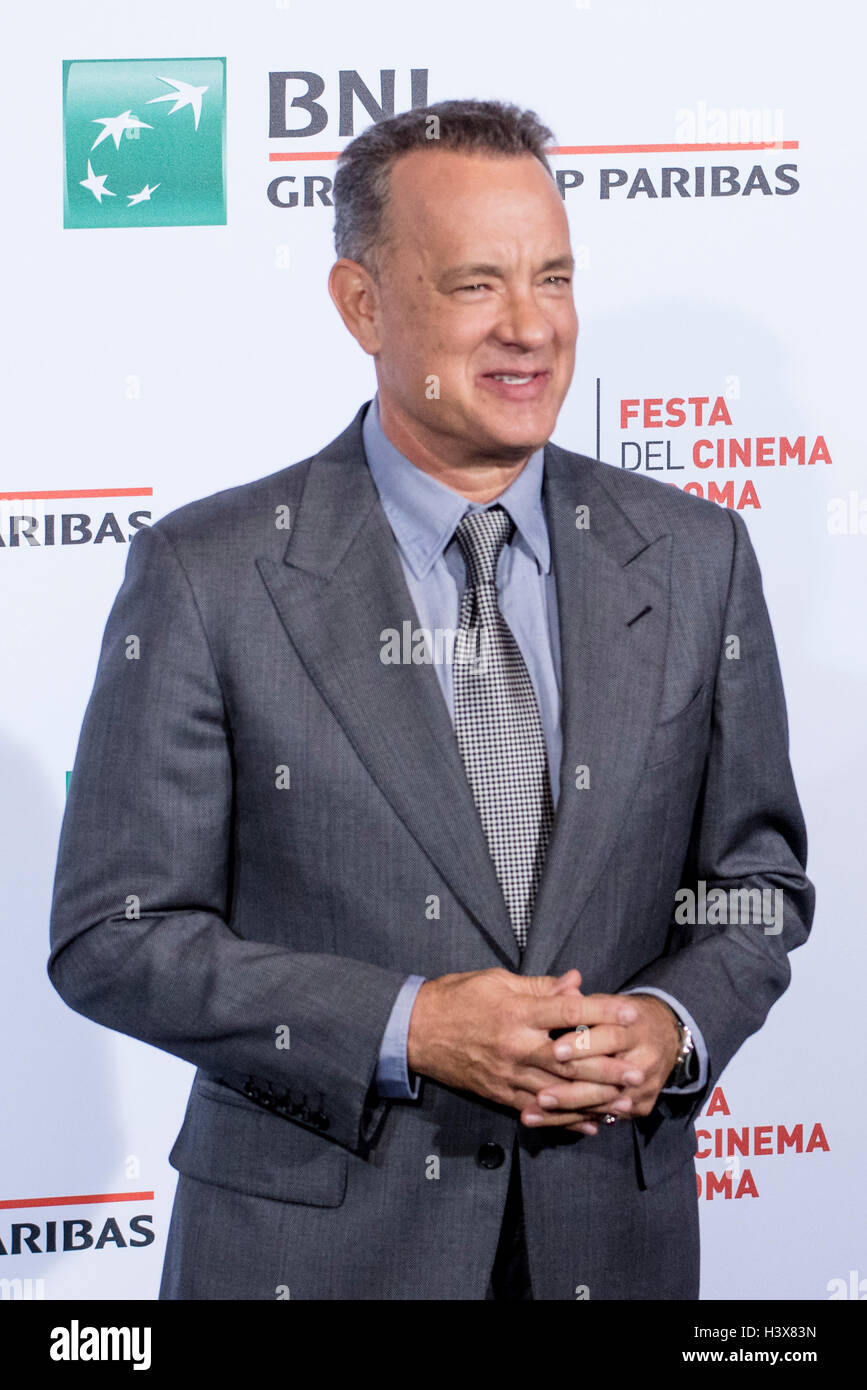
(685, 1068)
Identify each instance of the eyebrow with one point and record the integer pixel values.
(478, 268)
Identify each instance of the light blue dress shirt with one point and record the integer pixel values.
(424, 514)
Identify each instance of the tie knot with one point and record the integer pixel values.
(481, 536)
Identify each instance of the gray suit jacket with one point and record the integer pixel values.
(260, 811)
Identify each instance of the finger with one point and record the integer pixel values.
(583, 1127)
(621, 1109)
(601, 1040)
(529, 1081)
(570, 1008)
(535, 1118)
(571, 980)
(596, 1112)
(547, 986)
(565, 1097)
(612, 1071)
(580, 1122)
(528, 1099)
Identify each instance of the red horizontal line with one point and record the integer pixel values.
(76, 492)
(81, 1199)
(303, 154)
(279, 155)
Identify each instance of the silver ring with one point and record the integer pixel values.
(609, 1119)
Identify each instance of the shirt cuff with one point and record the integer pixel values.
(689, 1022)
(393, 1077)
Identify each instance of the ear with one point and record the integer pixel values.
(355, 294)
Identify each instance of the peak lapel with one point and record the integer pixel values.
(612, 599)
(340, 587)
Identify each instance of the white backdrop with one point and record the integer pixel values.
(176, 361)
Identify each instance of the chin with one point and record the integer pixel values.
(518, 448)
(527, 434)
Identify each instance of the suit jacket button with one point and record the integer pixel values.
(490, 1155)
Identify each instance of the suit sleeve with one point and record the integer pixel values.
(748, 833)
(141, 940)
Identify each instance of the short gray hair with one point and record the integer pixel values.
(361, 184)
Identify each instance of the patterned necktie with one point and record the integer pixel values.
(497, 723)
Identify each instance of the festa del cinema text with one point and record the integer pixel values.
(720, 452)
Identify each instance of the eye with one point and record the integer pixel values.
(563, 279)
(479, 286)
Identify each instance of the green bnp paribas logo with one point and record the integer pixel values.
(144, 142)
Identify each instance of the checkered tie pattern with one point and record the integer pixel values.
(497, 723)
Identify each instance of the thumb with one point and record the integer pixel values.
(548, 985)
(571, 980)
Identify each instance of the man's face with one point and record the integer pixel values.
(476, 281)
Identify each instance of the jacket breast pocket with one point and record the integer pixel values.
(231, 1142)
(677, 735)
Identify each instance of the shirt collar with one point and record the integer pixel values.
(423, 513)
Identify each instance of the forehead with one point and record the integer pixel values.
(442, 199)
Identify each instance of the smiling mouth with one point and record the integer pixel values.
(514, 378)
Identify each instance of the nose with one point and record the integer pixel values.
(523, 320)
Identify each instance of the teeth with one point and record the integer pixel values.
(513, 380)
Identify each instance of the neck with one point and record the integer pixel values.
(480, 480)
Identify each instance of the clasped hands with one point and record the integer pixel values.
(488, 1031)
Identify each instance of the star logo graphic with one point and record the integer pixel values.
(183, 95)
(168, 170)
(96, 182)
(115, 127)
(143, 197)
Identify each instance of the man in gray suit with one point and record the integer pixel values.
(420, 739)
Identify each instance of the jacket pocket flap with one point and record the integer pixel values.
(661, 1154)
(232, 1142)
